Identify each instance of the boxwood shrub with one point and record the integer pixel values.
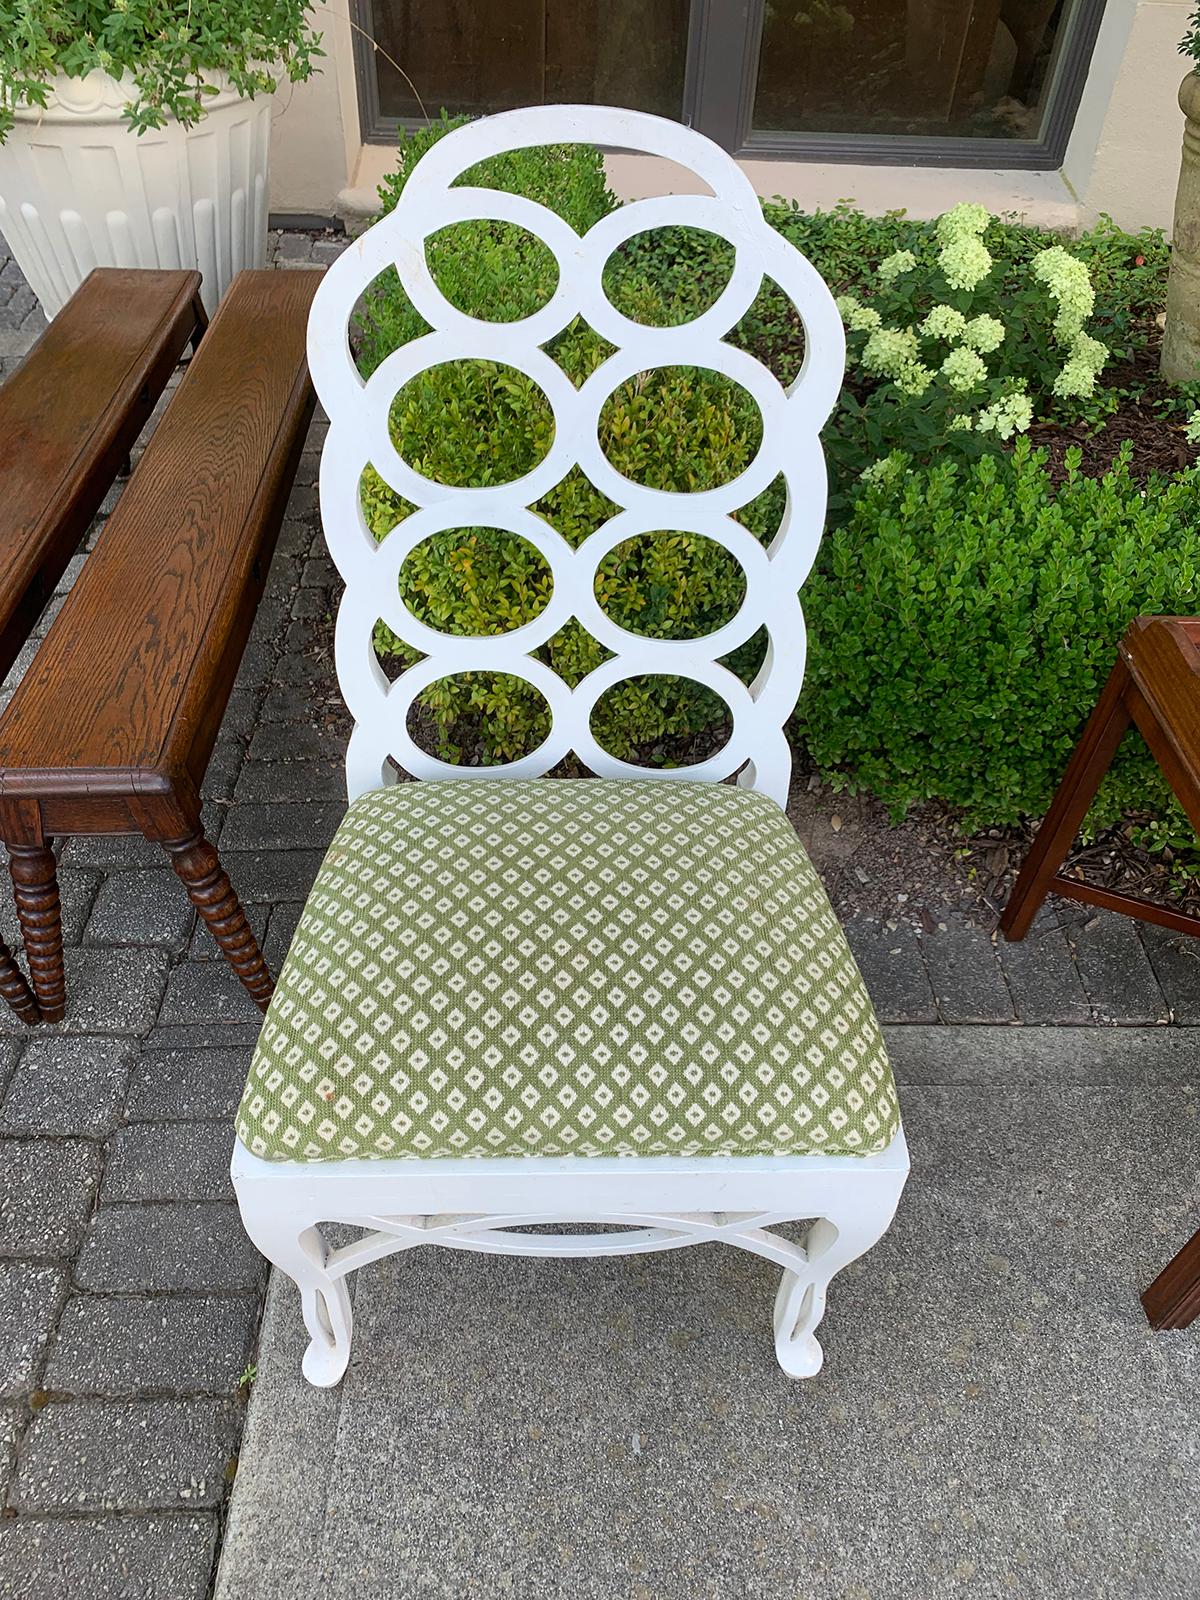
(963, 621)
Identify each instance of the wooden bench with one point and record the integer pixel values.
(112, 727)
(69, 416)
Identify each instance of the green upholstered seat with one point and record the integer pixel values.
(491, 967)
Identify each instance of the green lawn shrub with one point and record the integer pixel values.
(962, 616)
(965, 617)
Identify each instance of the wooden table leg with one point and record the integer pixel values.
(1173, 1299)
(1105, 729)
(15, 989)
(197, 863)
(35, 889)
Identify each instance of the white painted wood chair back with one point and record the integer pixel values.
(359, 434)
(661, 1202)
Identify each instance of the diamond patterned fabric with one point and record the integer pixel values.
(567, 967)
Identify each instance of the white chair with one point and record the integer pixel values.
(514, 1000)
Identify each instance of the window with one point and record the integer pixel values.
(951, 82)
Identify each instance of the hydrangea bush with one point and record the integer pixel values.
(946, 354)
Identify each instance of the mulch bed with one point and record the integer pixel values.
(918, 869)
(1158, 444)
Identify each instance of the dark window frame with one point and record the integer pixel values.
(724, 37)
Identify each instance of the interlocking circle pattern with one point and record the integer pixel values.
(358, 411)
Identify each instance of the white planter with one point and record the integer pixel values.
(79, 189)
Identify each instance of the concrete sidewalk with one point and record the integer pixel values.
(994, 1417)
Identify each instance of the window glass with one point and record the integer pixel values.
(492, 55)
(940, 68)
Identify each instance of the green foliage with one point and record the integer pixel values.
(1189, 45)
(963, 618)
(167, 46)
(963, 621)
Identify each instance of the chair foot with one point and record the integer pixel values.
(328, 1354)
(324, 1299)
(35, 890)
(800, 1302)
(1173, 1299)
(210, 891)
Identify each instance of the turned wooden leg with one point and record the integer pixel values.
(197, 863)
(1173, 1299)
(15, 989)
(35, 889)
(1105, 729)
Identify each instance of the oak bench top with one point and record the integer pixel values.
(68, 416)
(127, 690)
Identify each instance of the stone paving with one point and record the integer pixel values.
(130, 1298)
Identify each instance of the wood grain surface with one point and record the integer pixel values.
(130, 683)
(69, 415)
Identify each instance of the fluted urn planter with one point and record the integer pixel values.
(79, 189)
(1181, 341)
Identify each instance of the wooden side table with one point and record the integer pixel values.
(1155, 686)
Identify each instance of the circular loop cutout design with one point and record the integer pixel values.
(359, 412)
(717, 532)
(663, 505)
(502, 424)
(475, 583)
(634, 708)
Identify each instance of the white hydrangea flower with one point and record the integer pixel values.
(964, 369)
(1085, 348)
(890, 350)
(914, 378)
(1076, 381)
(857, 317)
(944, 322)
(963, 222)
(895, 265)
(961, 424)
(1086, 357)
(1012, 414)
(984, 334)
(1191, 429)
(965, 261)
(885, 469)
(1070, 285)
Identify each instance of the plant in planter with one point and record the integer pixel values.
(1181, 340)
(131, 133)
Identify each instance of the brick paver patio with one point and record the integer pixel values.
(129, 1297)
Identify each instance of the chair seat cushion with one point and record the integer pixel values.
(567, 967)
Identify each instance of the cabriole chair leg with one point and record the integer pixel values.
(800, 1302)
(324, 1299)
